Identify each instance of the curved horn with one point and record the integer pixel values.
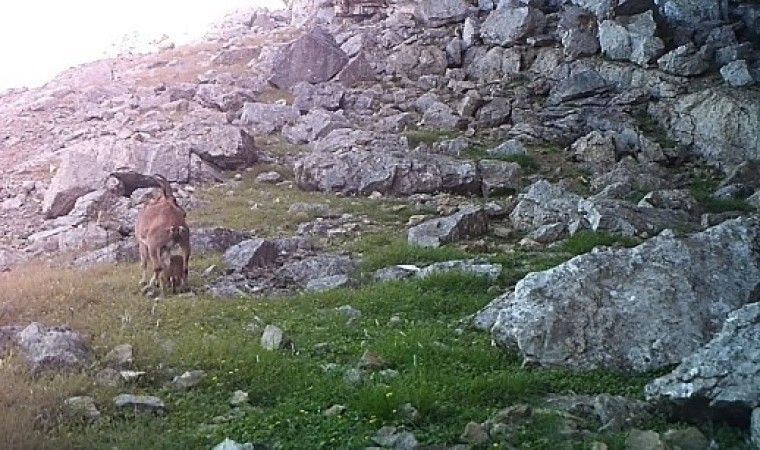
(163, 183)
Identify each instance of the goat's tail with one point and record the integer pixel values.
(163, 183)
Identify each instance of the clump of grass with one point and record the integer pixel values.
(527, 162)
(585, 241)
(385, 250)
(702, 188)
(450, 374)
(651, 127)
(428, 137)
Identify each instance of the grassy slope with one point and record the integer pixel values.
(451, 374)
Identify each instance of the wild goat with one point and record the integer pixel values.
(173, 275)
(160, 228)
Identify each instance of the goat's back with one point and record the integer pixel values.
(161, 214)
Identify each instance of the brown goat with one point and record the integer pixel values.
(174, 274)
(160, 228)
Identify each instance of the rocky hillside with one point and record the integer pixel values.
(520, 122)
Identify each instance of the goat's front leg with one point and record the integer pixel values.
(156, 258)
(143, 262)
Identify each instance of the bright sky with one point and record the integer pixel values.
(40, 38)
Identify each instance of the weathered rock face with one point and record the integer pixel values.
(689, 12)
(414, 61)
(543, 204)
(434, 233)
(304, 11)
(314, 58)
(578, 32)
(492, 64)
(632, 309)
(723, 375)
(436, 13)
(718, 124)
(363, 172)
(604, 9)
(631, 39)
(506, 25)
(685, 61)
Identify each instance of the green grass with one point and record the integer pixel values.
(385, 250)
(527, 162)
(450, 377)
(428, 137)
(652, 128)
(448, 372)
(702, 188)
(585, 241)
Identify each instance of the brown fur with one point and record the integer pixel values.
(174, 274)
(160, 228)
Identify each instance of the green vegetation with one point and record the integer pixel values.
(702, 187)
(653, 129)
(451, 377)
(449, 373)
(428, 137)
(528, 163)
(585, 241)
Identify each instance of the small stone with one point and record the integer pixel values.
(83, 407)
(354, 376)
(188, 379)
(119, 356)
(644, 440)
(335, 410)
(239, 398)
(109, 377)
(270, 177)
(274, 338)
(686, 439)
(131, 375)
(474, 434)
(140, 403)
(371, 361)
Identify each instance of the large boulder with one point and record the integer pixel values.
(723, 375)
(506, 26)
(489, 65)
(413, 61)
(224, 147)
(631, 39)
(577, 30)
(364, 172)
(313, 57)
(689, 12)
(53, 348)
(85, 166)
(719, 124)
(635, 309)
(265, 118)
(436, 13)
(469, 222)
(604, 9)
(686, 61)
(303, 12)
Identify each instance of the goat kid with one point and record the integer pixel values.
(173, 275)
(160, 229)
